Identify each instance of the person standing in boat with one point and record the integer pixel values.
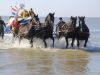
(23, 14)
(27, 14)
(31, 13)
(2, 25)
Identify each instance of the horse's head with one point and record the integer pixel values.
(34, 20)
(74, 20)
(81, 23)
(50, 18)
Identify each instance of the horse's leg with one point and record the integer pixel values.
(53, 41)
(13, 36)
(66, 42)
(0, 33)
(20, 38)
(31, 42)
(44, 40)
(59, 36)
(78, 43)
(85, 42)
(72, 41)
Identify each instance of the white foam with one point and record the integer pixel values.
(6, 43)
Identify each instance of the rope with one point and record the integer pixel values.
(84, 32)
(41, 32)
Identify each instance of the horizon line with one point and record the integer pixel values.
(61, 16)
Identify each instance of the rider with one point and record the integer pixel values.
(31, 13)
(14, 26)
(60, 22)
(2, 23)
(27, 14)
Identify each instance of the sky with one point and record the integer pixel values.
(62, 8)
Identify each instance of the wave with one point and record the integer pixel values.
(7, 43)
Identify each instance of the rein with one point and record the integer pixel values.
(40, 32)
(43, 30)
(49, 27)
(84, 32)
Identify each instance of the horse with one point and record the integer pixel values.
(46, 31)
(67, 30)
(82, 31)
(71, 34)
(27, 31)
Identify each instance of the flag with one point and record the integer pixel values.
(25, 22)
(14, 11)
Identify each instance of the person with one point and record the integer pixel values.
(31, 13)
(2, 25)
(60, 22)
(23, 14)
(27, 14)
(14, 26)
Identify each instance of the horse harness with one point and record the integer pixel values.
(65, 27)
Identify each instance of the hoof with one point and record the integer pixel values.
(31, 46)
(52, 45)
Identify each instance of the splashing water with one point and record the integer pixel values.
(6, 43)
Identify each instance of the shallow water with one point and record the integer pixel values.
(20, 59)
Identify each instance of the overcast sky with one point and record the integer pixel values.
(62, 8)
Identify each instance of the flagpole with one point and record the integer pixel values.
(11, 10)
(24, 2)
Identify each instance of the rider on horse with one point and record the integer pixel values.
(59, 25)
(60, 22)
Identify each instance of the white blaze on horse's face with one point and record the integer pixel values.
(81, 26)
(72, 25)
(51, 18)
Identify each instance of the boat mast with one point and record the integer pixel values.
(19, 6)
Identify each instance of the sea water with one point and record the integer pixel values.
(20, 59)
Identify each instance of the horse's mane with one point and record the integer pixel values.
(69, 23)
(67, 26)
(47, 22)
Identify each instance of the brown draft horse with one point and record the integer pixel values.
(30, 31)
(27, 31)
(82, 31)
